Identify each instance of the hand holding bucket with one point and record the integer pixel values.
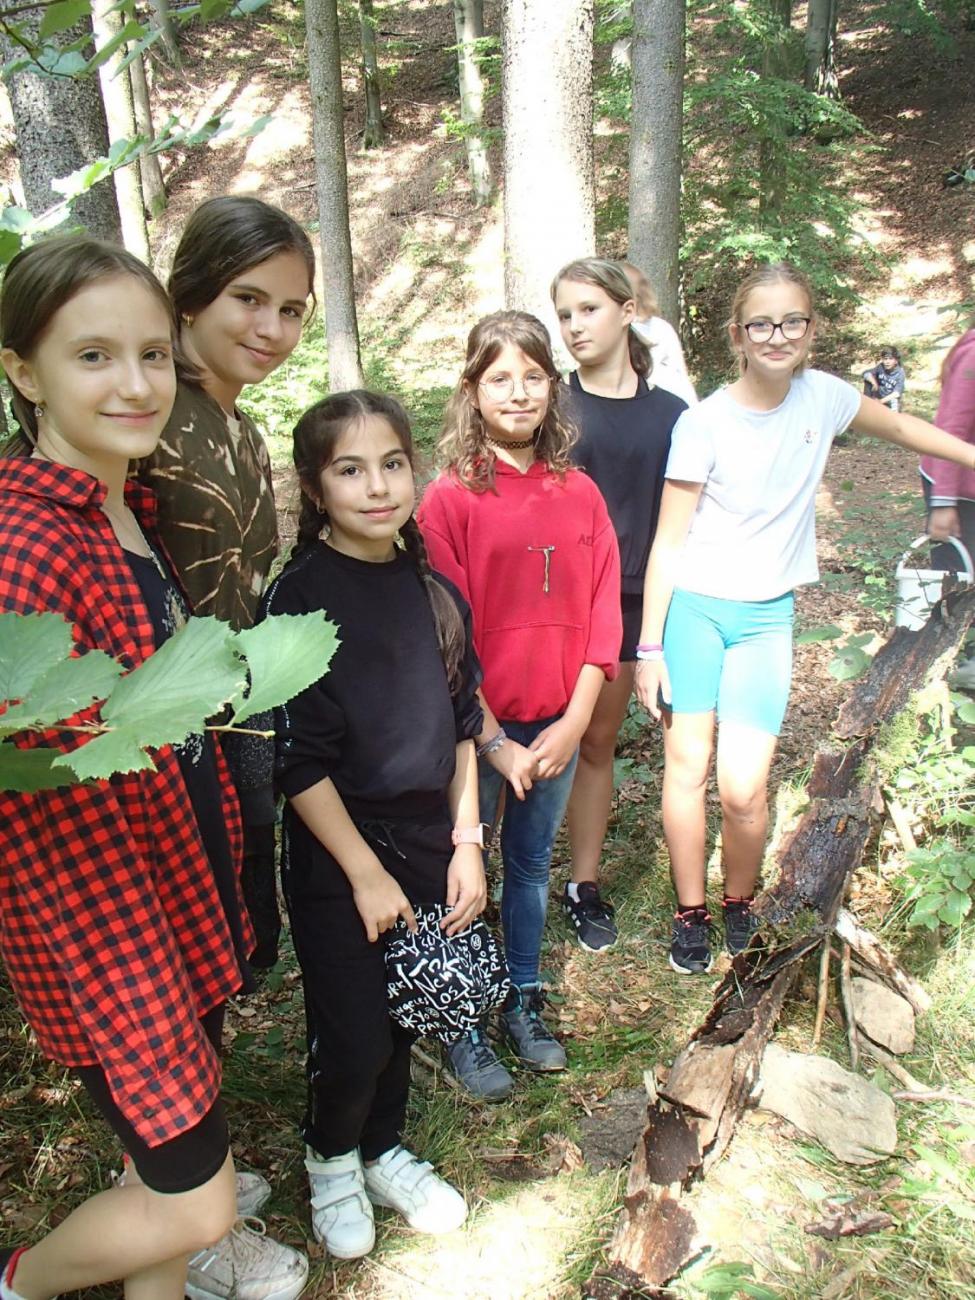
(919, 590)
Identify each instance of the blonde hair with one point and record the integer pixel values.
(643, 294)
(614, 282)
(463, 448)
(764, 277)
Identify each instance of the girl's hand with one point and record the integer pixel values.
(380, 902)
(517, 765)
(652, 681)
(466, 888)
(555, 746)
(943, 522)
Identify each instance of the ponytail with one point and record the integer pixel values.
(640, 358)
(451, 636)
(310, 523)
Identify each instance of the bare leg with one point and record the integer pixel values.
(744, 759)
(130, 1232)
(688, 741)
(592, 789)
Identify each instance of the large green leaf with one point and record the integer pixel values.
(63, 691)
(30, 645)
(285, 654)
(61, 15)
(30, 770)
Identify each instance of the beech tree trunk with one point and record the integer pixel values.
(773, 147)
(373, 136)
(60, 126)
(161, 19)
(549, 184)
(325, 77)
(820, 46)
(119, 113)
(469, 27)
(656, 126)
(153, 185)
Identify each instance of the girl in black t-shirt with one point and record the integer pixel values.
(625, 424)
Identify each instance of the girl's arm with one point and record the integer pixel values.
(378, 898)
(677, 506)
(517, 765)
(466, 885)
(908, 431)
(553, 748)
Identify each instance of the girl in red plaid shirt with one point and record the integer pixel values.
(120, 923)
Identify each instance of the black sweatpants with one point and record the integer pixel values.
(358, 1064)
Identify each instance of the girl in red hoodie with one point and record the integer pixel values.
(529, 542)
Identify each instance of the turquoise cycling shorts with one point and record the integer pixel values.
(730, 656)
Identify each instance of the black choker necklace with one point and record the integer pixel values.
(523, 445)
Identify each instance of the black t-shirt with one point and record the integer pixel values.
(623, 447)
(196, 756)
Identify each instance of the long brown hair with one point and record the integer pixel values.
(614, 282)
(764, 277)
(463, 447)
(316, 436)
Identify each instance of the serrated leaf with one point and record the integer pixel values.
(825, 632)
(955, 908)
(63, 691)
(115, 751)
(30, 645)
(31, 770)
(19, 220)
(63, 14)
(848, 664)
(285, 655)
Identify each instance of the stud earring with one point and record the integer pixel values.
(39, 411)
(320, 508)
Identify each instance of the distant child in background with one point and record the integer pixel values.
(885, 381)
(377, 764)
(669, 366)
(529, 542)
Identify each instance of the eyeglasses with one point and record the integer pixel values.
(500, 387)
(792, 328)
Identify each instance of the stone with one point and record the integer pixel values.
(883, 1015)
(852, 1118)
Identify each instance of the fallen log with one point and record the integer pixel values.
(693, 1118)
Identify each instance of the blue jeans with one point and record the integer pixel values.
(528, 831)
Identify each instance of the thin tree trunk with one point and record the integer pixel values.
(161, 19)
(117, 98)
(469, 27)
(325, 76)
(772, 149)
(549, 184)
(656, 128)
(373, 136)
(153, 185)
(820, 48)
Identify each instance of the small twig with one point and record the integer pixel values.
(846, 993)
(879, 960)
(435, 1067)
(914, 1089)
(822, 993)
(241, 731)
(902, 825)
(936, 1094)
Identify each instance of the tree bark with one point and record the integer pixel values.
(373, 136)
(820, 48)
(325, 76)
(656, 126)
(469, 27)
(161, 19)
(60, 126)
(153, 185)
(772, 149)
(549, 184)
(117, 98)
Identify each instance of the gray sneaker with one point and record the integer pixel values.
(522, 1025)
(475, 1066)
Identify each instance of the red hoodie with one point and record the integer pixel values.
(538, 563)
(951, 483)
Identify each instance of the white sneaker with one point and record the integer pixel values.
(247, 1265)
(401, 1182)
(341, 1215)
(253, 1193)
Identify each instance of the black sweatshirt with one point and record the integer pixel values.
(381, 722)
(624, 445)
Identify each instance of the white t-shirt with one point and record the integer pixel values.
(753, 535)
(669, 369)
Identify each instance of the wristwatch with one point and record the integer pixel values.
(468, 835)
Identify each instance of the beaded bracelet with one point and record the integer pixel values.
(492, 745)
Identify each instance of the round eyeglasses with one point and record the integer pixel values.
(792, 328)
(500, 387)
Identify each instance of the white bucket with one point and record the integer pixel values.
(919, 590)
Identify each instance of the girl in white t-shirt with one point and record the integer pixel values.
(736, 535)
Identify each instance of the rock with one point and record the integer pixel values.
(883, 1015)
(851, 1118)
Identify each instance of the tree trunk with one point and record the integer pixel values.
(469, 26)
(774, 143)
(153, 185)
(162, 20)
(657, 62)
(373, 136)
(820, 72)
(60, 126)
(549, 185)
(117, 98)
(325, 76)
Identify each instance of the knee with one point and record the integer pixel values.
(201, 1217)
(743, 803)
(598, 745)
(688, 771)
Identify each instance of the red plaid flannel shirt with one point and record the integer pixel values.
(111, 926)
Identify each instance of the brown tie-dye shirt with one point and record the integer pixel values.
(211, 474)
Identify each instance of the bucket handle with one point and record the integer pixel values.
(959, 546)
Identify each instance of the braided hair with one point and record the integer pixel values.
(316, 437)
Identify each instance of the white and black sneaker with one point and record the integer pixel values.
(591, 916)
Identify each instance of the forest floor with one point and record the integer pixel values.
(544, 1193)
